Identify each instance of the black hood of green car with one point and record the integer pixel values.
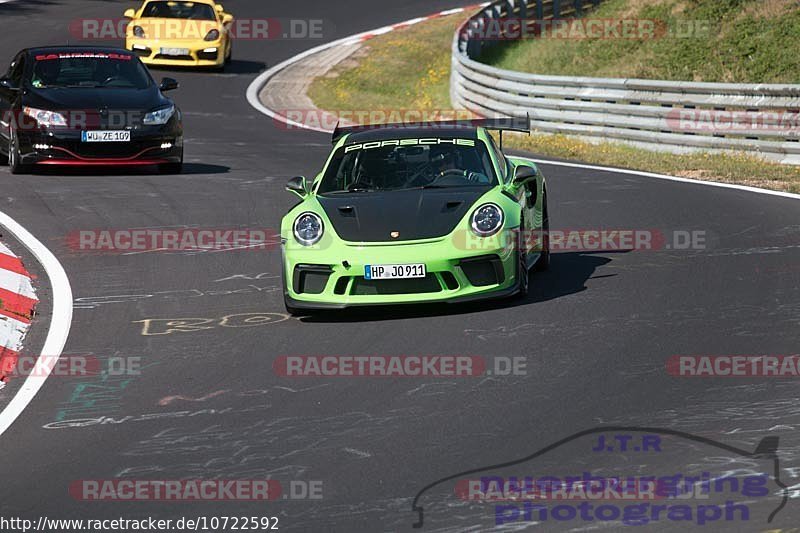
(413, 213)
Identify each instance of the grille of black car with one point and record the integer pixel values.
(106, 150)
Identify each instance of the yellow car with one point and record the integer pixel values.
(178, 33)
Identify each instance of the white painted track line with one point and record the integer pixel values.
(59, 323)
(663, 177)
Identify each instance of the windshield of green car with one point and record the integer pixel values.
(401, 164)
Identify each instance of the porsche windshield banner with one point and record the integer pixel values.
(408, 142)
(84, 55)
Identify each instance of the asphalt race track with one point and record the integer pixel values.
(596, 330)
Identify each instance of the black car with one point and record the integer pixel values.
(87, 106)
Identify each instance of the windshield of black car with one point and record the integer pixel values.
(399, 164)
(88, 69)
(178, 10)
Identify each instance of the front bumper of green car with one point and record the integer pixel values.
(331, 275)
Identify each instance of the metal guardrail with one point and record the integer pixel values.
(676, 116)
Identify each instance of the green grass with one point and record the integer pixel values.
(409, 69)
(742, 41)
(404, 69)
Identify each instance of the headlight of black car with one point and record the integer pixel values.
(487, 220)
(308, 228)
(43, 117)
(159, 116)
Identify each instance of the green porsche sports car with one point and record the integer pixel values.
(409, 214)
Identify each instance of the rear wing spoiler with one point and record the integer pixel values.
(520, 124)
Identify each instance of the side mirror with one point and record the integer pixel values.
(523, 174)
(298, 186)
(8, 84)
(219, 8)
(168, 84)
(227, 18)
(129, 14)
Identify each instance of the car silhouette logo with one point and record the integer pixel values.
(480, 484)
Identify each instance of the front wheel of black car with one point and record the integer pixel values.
(543, 263)
(14, 159)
